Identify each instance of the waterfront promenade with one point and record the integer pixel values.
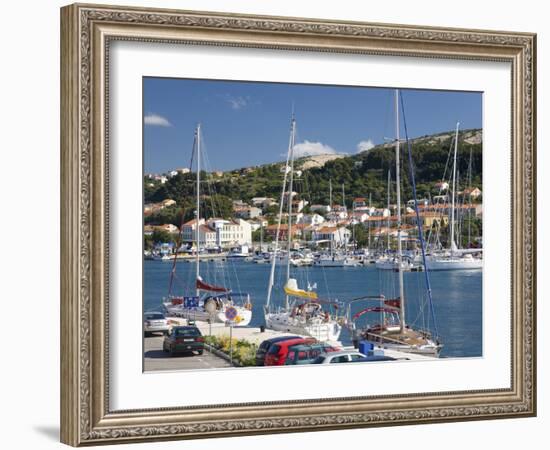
(155, 359)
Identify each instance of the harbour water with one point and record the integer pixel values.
(457, 295)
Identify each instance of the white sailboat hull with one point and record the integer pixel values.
(316, 328)
(336, 262)
(426, 350)
(434, 263)
(390, 264)
(244, 315)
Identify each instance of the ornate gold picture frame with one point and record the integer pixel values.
(87, 31)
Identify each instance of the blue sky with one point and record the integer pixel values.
(247, 123)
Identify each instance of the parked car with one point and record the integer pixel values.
(339, 357)
(155, 322)
(266, 345)
(349, 356)
(278, 352)
(307, 353)
(184, 340)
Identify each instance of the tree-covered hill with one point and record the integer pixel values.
(362, 174)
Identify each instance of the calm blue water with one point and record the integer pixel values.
(457, 295)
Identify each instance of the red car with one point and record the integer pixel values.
(307, 353)
(276, 356)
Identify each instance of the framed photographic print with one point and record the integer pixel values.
(278, 225)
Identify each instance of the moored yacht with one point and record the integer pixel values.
(210, 302)
(390, 329)
(302, 312)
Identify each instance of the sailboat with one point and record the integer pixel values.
(454, 258)
(210, 301)
(391, 331)
(303, 312)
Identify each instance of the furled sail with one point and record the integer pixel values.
(209, 287)
(291, 288)
(393, 302)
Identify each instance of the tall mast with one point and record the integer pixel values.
(275, 250)
(352, 222)
(197, 234)
(370, 212)
(343, 208)
(389, 211)
(261, 236)
(470, 199)
(290, 187)
(178, 244)
(454, 190)
(398, 192)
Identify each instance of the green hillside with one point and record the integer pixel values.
(362, 174)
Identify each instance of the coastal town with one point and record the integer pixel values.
(360, 226)
(351, 233)
(316, 259)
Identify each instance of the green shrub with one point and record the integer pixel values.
(244, 352)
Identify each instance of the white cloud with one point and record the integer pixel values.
(365, 146)
(156, 120)
(308, 148)
(237, 103)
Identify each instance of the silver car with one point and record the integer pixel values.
(340, 357)
(155, 322)
(352, 356)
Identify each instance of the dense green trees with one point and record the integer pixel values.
(149, 241)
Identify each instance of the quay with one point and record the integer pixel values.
(155, 359)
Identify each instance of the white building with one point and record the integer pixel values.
(421, 202)
(365, 209)
(296, 217)
(323, 209)
(163, 179)
(263, 202)
(359, 202)
(230, 233)
(357, 217)
(338, 213)
(207, 237)
(218, 233)
(188, 230)
(380, 212)
(247, 212)
(339, 236)
(312, 219)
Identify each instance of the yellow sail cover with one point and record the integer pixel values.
(291, 288)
